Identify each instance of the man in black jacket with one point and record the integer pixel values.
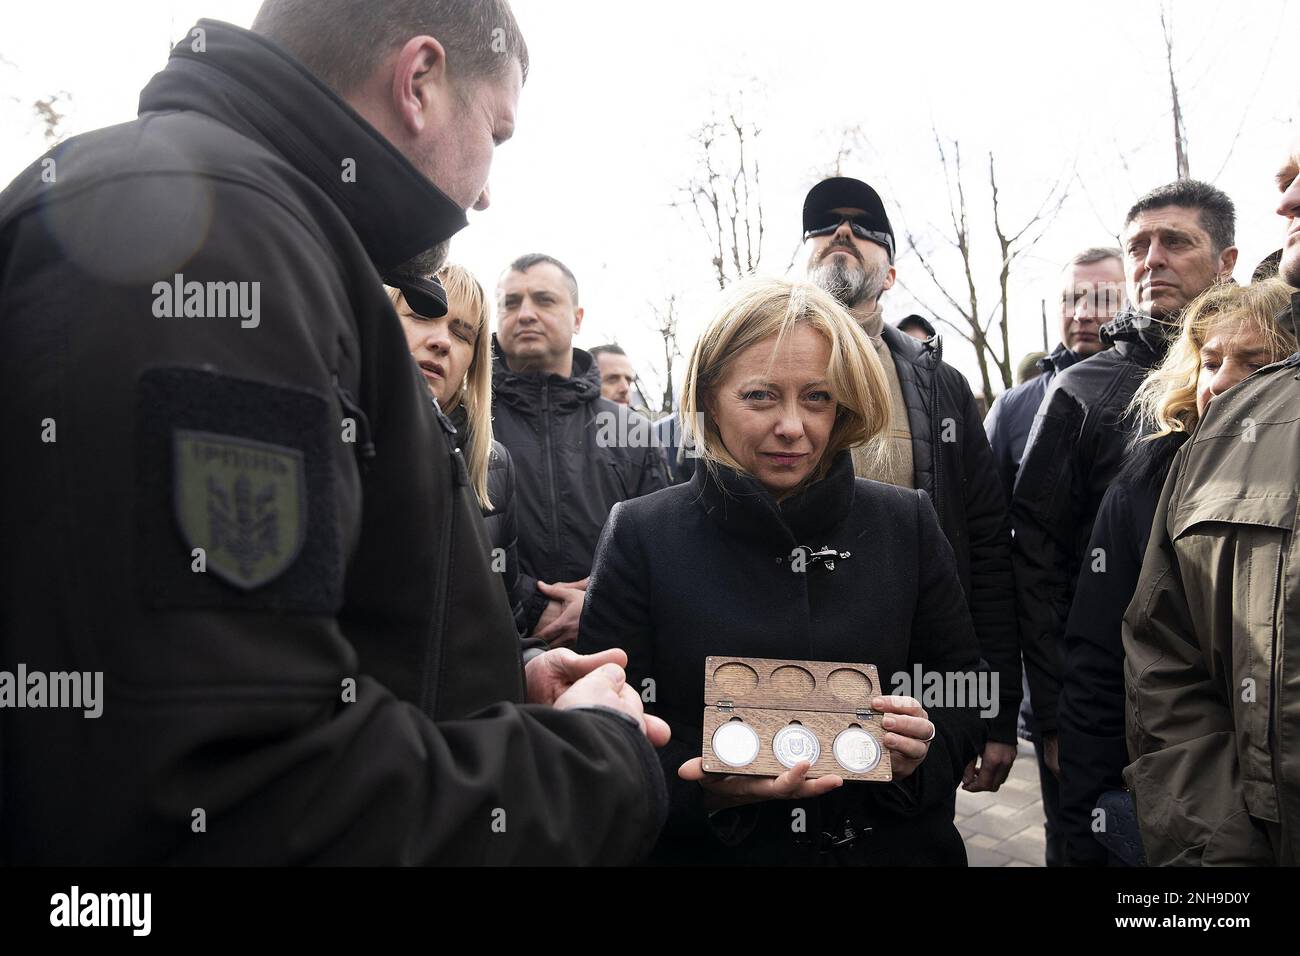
(237, 502)
(937, 441)
(1093, 293)
(576, 454)
(1178, 240)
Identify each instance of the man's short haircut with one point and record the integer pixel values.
(343, 41)
(526, 262)
(611, 349)
(1094, 254)
(1218, 215)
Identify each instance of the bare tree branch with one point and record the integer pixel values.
(1180, 134)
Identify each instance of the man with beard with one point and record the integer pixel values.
(240, 505)
(1178, 241)
(936, 442)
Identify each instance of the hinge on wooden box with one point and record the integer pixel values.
(867, 715)
(725, 706)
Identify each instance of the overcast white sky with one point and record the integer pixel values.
(603, 144)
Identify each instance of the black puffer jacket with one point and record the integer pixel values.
(704, 569)
(1009, 421)
(1075, 448)
(953, 464)
(576, 456)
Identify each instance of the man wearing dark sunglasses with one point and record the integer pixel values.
(937, 442)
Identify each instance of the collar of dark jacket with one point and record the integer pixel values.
(1290, 318)
(246, 82)
(459, 417)
(924, 355)
(523, 389)
(1137, 336)
(747, 510)
(1059, 359)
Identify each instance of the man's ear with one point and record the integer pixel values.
(577, 320)
(890, 276)
(419, 80)
(1227, 261)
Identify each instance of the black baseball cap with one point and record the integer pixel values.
(844, 192)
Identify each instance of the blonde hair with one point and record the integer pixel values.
(464, 291)
(1165, 402)
(759, 309)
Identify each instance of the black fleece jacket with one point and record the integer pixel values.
(254, 525)
(576, 455)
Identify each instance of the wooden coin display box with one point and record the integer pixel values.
(831, 701)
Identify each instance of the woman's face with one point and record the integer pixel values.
(775, 408)
(443, 348)
(1230, 354)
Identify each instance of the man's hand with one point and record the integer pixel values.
(994, 765)
(1052, 754)
(723, 790)
(558, 624)
(550, 674)
(606, 686)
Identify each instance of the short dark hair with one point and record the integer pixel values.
(526, 262)
(1218, 215)
(342, 41)
(916, 321)
(1094, 254)
(610, 349)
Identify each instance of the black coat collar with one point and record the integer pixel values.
(246, 82)
(744, 508)
(523, 389)
(1138, 337)
(1058, 360)
(924, 355)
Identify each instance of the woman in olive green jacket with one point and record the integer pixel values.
(1212, 708)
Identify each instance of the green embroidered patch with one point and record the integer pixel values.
(242, 501)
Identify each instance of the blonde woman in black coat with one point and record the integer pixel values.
(779, 388)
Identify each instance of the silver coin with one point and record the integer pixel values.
(856, 750)
(793, 743)
(735, 744)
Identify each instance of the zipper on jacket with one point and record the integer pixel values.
(550, 469)
(438, 619)
(365, 448)
(935, 430)
(458, 466)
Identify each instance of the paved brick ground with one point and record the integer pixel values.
(1005, 828)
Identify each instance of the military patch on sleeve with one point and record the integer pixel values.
(236, 494)
(244, 502)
